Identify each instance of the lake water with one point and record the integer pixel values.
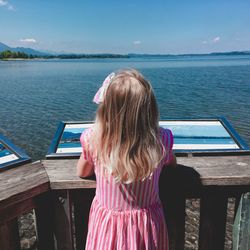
(36, 95)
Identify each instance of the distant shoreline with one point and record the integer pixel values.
(7, 52)
(23, 59)
(118, 56)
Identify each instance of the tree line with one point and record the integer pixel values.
(7, 54)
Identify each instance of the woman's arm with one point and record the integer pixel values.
(84, 168)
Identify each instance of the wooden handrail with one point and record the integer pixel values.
(207, 171)
(20, 184)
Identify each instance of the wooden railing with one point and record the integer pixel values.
(61, 200)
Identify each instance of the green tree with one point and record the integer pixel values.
(12, 54)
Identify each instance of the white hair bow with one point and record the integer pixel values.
(99, 96)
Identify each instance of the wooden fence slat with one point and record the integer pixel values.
(14, 211)
(174, 210)
(63, 230)
(9, 236)
(213, 213)
(44, 219)
(172, 193)
(82, 203)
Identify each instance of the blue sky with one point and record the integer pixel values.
(129, 26)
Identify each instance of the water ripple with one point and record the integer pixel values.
(35, 96)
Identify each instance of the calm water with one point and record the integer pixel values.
(36, 95)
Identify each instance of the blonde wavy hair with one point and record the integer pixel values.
(127, 128)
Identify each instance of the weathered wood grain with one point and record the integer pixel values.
(216, 170)
(22, 183)
(220, 170)
(62, 175)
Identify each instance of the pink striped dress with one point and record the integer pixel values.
(127, 216)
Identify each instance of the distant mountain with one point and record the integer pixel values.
(4, 47)
(28, 51)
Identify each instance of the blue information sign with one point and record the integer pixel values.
(191, 136)
(10, 154)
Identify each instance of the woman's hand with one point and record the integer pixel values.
(84, 168)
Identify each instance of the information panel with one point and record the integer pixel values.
(200, 135)
(70, 139)
(195, 136)
(10, 154)
(6, 155)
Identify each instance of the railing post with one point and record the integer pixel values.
(9, 236)
(172, 183)
(44, 222)
(82, 202)
(174, 209)
(63, 228)
(213, 212)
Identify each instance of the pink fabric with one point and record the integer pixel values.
(127, 216)
(98, 98)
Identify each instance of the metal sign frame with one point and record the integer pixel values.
(22, 157)
(243, 147)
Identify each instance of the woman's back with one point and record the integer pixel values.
(120, 196)
(127, 216)
(127, 150)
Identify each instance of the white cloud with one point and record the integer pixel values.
(6, 4)
(136, 42)
(212, 41)
(216, 39)
(3, 2)
(28, 40)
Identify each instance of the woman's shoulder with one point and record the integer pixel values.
(86, 134)
(86, 140)
(165, 132)
(166, 137)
